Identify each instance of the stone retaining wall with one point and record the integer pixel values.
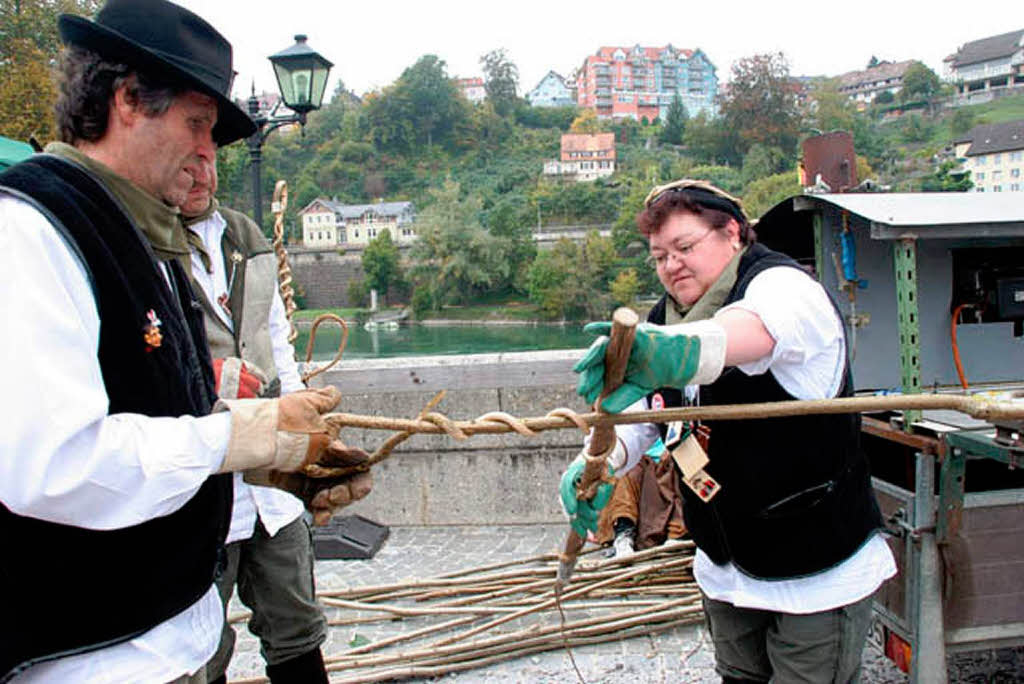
(487, 479)
(324, 276)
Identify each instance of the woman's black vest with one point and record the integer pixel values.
(796, 494)
(66, 589)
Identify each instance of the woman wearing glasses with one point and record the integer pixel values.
(783, 515)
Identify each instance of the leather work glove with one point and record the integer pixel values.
(238, 379)
(583, 513)
(274, 440)
(661, 356)
(322, 496)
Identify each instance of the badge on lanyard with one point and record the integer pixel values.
(691, 459)
(151, 331)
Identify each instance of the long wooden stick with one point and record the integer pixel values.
(974, 406)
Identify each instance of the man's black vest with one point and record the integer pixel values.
(796, 494)
(113, 585)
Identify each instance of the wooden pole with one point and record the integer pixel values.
(602, 438)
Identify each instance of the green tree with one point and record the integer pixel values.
(884, 97)
(760, 104)
(831, 109)
(919, 83)
(945, 180)
(962, 121)
(571, 280)
(422, 107)
(587, 122)
(381, 263)
(724, 177)
(763, 161)
(765, 193)
(625, 287)
(29, 46)
(675, 122)
(712, 141)
(501, 80)
(915, 129)
(455, 258)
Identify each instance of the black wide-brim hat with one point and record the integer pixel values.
(167, 41)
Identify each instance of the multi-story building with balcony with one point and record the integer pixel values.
(994, 156)
(584, 157)
(641, 82)
(328, 223)
(988, 64)
(552, 91)
(864, 86)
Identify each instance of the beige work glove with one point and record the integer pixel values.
(275, 442)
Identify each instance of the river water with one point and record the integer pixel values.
(426, 340)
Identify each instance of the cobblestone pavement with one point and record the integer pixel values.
(680, 655)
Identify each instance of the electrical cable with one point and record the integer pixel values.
(956, 347)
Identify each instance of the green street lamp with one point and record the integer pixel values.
(301, 79)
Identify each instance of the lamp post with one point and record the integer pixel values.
(301, 79)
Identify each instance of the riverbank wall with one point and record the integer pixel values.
(484, 480)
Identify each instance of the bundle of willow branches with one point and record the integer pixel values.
(478, 617)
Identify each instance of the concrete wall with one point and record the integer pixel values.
(487, 479)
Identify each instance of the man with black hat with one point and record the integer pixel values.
(114, 488)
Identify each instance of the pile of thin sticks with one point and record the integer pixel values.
(478, 617)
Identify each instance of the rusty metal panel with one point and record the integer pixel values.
(832, 157)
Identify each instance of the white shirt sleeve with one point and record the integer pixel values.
(810, 349)
(284, 352)
(63, 458)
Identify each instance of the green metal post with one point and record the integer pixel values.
(820, 260)
(905, 259)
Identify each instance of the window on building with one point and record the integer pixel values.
(980, 176)
(997, 188)
(1016, 156)
(997, 175)
(1015, 187)
(1014, 173)
(981, 160)
(997, 158)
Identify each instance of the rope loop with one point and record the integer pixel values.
(506, 419)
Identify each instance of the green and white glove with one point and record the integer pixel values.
(661, 356)
(583, 513)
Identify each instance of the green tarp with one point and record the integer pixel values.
(12, 151)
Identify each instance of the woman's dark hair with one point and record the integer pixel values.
(85, 85)
(714, 209)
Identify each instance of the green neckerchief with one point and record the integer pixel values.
(709, 302)
(193, 238)
(160, 223)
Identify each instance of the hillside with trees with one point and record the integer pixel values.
(474, 171)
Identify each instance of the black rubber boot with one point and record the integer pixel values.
(307, 668)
